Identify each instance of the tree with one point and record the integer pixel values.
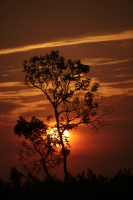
(39, 152)
(15, 177)
(72, 95)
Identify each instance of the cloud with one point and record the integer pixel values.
(9, 72)
(30, 107)
(123, 75)
(104, 61)
(108, 89)
(10, 84)
(122, 68)
(20, 93)
(11, 110)
(13, 71)
(119, 82)
(112, 91)
(115, 88)
(72, 41)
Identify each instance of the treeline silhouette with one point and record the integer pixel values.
(82, 186)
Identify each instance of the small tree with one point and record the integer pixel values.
(16, 177)
(39, 152)
(70, 92)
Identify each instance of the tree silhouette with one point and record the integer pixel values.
(15, 177)
(72, 95)
(39, 152)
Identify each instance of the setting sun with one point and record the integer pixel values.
(54, 132)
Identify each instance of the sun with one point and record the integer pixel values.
(66, 134)
(54, 134)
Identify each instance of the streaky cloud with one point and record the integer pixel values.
(73, 41)
(104, 61)
(18, 94)
(122, 68)
(123, 75)
(115, 89)
(10, 84)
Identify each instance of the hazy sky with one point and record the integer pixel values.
(99, 33)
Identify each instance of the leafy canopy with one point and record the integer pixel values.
(39, 152)
(72, 95)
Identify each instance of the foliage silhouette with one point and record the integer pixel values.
(15, 177)
(71, 93)
(39, 152)
(83, 186)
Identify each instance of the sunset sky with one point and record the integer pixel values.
(100, 34)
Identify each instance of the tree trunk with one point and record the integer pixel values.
(64, 162)
(46, 169)
(63, 147)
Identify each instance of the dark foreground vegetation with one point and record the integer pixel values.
(83, 186)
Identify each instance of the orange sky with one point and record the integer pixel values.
(99, 33)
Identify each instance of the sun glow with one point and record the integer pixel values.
(54, 134)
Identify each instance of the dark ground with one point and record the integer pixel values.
(83, 186)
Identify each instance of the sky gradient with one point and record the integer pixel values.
(100, 34)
